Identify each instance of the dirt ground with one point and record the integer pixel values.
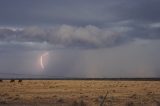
(79, 93)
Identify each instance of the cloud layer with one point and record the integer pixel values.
(81, 37)
(127, 30)
(79, 24)
(82, 13)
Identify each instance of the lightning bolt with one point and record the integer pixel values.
(41, 59)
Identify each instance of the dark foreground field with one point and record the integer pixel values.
(79, 93)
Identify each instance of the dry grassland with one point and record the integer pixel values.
(79, 93)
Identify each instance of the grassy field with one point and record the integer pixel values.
(79, 93)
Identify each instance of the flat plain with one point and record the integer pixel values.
(79, 93)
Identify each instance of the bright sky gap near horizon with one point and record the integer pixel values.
(82, 38)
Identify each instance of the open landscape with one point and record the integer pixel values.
(79, 52)
(79, 93)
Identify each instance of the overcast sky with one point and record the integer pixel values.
(83, 38)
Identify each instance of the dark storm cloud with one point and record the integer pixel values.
(79, 37)
(75, 12)
(85, 23)
(30, 28)
(67, 36)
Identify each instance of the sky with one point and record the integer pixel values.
(82, 38)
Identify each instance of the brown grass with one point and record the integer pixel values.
(80, 93)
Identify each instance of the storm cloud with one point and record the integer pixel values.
(81, 37)
(84, 38)
(81, 13)
(79, 24)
